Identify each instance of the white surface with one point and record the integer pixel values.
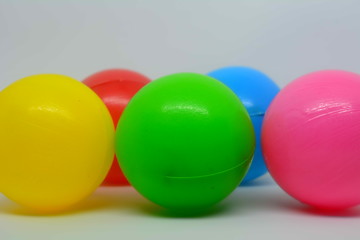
(285, 39)
(260, 211)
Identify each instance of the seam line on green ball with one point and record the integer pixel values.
(208, 175)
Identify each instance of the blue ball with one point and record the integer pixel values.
(256, 91)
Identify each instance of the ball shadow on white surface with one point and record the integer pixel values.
(104, 198)
(261, 198)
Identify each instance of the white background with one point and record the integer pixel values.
(284, 39)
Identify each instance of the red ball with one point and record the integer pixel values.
(116, 87)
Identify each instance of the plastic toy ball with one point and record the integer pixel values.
(56, 142)
(256, 91)
(116, 87)
(185, 141)
(311, 139)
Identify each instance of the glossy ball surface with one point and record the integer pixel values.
(256, 91)
(116, 87)
(185, 141)
(56, 142)
(311, 139)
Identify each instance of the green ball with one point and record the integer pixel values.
(185, 141)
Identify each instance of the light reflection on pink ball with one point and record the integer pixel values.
(311, 139)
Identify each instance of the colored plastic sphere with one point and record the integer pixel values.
(185, 141)
(256, 91)
(311, 139)
(116, 87)
(57, 142)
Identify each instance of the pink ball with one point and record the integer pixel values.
(311, 139)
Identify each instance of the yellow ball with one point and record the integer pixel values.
(56, 142)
